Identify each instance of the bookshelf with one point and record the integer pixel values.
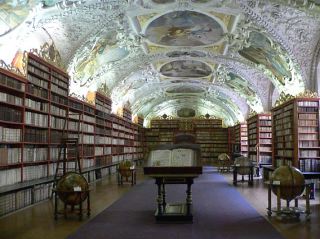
(240, 143)
(212, 138)
(35, 113)
(296, 134)
(260, 139)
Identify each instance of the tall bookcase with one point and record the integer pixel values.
(35, 113)
(240, 144)
(260, 139)
(296, 134)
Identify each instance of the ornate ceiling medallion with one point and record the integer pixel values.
(184, 28)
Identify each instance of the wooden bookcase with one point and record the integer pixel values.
(36, 112)
(240, 143)
(212, 138)
(260, 139)
(296, 134)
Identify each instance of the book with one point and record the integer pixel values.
(172, 158)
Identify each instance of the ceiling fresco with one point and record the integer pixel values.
(261, 52)
(185, 89)
(184, 58)
(184, 28)
(185, 68)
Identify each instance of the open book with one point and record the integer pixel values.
(172, 158)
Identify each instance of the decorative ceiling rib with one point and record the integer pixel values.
(221, 57)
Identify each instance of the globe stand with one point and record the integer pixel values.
(288, 211)
(238, 168)
(79, 210)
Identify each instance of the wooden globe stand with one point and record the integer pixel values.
(288, 211)
(74, 208)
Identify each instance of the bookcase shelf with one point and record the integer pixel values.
(43, 112)
(260, 139)
(296, 134)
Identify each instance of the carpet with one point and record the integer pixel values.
(219, 210)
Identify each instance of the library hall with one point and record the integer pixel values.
(153, 119)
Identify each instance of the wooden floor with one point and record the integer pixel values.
(37, 221)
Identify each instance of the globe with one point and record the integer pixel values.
(243, 165)
(72, 188)
(290, 180)
(223, 157)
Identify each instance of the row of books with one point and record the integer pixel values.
(39, 65)
(309, 165)
(10, 134)
(285, 152)
(308, 116)
(35, 172)
(285, 145)
(36, 119)
(308, 153)
(10, 114)
(88, 118)
(308, 103)
(57, 123)
(59, 99)
(308, 123)
(11, 99)
(37, 91)
(39, 82)
(61, 83)
(59, 90)
(10, 176)
(308, 109)
(37, 105)
(33, 154)
(38, 72)
(9, 155)
(11, 82)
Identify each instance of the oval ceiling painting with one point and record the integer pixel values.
(186, 112)
(185, 68)
(186, 53)
(184, 28)
(185, 89)
(162, 1)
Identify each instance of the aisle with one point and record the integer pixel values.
(219, 212)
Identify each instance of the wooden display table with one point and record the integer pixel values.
(178, 211)
(182, 168)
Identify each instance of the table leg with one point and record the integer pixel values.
(308, 202)
(164, 203)
(88, 205)
(250, 182)
(269, 201)
(159, 198)
(278, 201)
(189, 197)
(56, 205)
(235, 176)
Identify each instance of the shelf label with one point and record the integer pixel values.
(276, 182)
(237, 165)
(77, 189)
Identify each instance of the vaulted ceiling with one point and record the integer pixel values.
(224, 58)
